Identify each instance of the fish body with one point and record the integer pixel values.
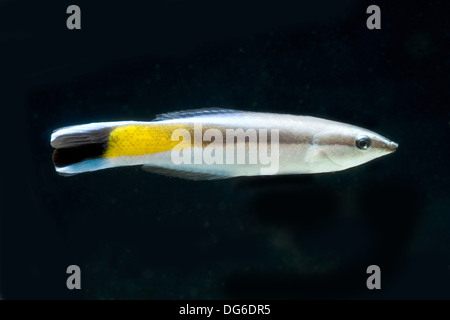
(218, 143)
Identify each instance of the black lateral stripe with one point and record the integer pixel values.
(67, 156)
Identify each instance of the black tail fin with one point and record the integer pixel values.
(77, 144)
(67, 156)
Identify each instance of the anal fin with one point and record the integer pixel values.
(183, 174)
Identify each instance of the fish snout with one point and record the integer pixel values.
(392, 146)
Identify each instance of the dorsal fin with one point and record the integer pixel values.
(192, 113)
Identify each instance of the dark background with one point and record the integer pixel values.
(137, 235)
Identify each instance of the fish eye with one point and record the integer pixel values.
(363, 142)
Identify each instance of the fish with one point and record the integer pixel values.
(215, 143)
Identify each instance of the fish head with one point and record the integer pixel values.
(350, 146)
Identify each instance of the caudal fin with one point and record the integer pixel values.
(80, 148)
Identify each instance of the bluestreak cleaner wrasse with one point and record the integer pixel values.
(207, 144)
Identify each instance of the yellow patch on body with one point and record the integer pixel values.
(137, 140)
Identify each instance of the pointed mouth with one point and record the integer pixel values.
(392, 146)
